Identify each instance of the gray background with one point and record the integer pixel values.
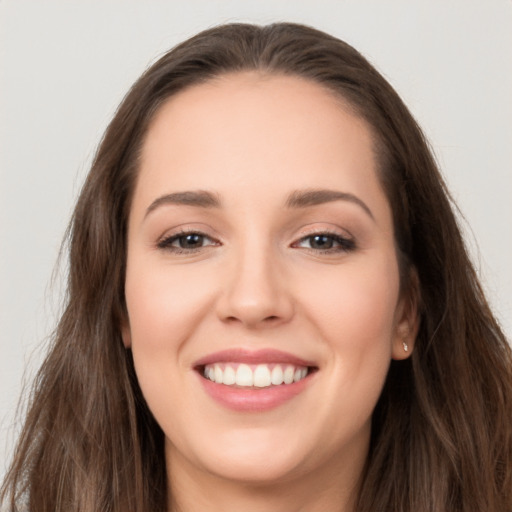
(64, 67)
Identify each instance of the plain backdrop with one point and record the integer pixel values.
(64, 67)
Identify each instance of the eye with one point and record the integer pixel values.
(186, 242)
(326, 242)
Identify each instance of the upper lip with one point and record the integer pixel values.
(241, 355)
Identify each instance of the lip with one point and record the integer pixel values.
(253, 399)
(240, 355)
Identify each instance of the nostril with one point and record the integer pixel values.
(251, 309)
(268, 319)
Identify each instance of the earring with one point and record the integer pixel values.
(406, 347)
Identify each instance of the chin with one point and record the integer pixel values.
(261, 472)
(253, 456)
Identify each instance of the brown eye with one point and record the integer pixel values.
(321, 242)
(185, 242)
(326, 242)
(189, 241)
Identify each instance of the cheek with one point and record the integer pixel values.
(355, 315)
(357, 304)
(164, 307)
(163, 304)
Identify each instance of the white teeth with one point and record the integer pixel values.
(277, 375)
(244, 376)
(217, 373)
(229, 377)
(299, 374)
(260, 376)
(289, 373)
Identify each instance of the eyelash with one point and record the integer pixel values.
(344, 244)
(166, 243)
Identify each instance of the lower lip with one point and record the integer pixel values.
(253, 399)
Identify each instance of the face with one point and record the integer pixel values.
(262, 284)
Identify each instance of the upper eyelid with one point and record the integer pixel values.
(179, 234)
(176, 232)
(336, 236)
(331, 231)
(301, 235)
(331, 234)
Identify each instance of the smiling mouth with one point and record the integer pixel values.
(254, 376)
(254, 381)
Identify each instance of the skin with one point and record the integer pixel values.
(257, 281)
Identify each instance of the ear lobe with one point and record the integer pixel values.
(403, 345)
(408, 319)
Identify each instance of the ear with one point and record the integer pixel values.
(407, 319)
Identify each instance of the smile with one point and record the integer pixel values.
(259, 376)
(254, 381)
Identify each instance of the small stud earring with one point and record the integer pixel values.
(406, 347)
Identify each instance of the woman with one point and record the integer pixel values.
(270, 303)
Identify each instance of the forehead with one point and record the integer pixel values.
(257, 130)
(260, 104)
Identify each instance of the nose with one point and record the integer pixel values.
(256, 293)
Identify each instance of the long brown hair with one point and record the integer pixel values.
(442, 429)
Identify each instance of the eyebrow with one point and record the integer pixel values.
(297, 199)
(198, 198)
(314, 197)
